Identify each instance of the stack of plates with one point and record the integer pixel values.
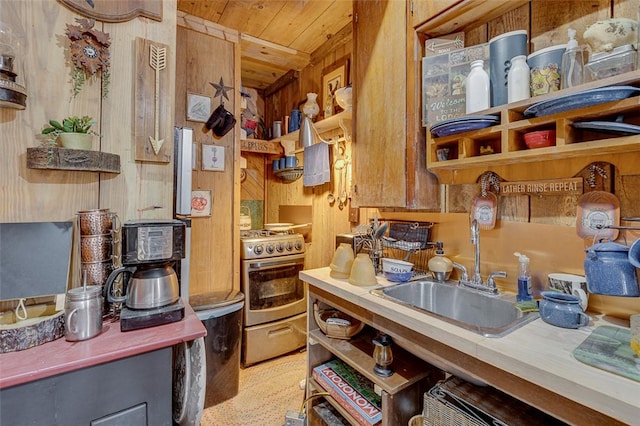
(622, 129)
(463, 124)
(581, 100)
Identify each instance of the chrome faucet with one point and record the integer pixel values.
(475, 240)
(476, 281)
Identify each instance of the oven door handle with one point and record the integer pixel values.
(270, 265)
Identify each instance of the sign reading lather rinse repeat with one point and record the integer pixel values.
(567, 186)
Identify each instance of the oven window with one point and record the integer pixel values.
(272, 288)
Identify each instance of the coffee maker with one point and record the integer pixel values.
(150, 290)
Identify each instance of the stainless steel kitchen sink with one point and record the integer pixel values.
(485, 314)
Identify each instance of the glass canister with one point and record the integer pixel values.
(83, 313)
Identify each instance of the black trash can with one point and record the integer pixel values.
(221, 314)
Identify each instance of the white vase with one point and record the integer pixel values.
(311, 107)
(75, 140)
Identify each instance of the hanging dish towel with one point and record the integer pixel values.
(316, 165)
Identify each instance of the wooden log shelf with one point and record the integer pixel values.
(54, 158)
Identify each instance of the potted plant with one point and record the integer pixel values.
(74, 132)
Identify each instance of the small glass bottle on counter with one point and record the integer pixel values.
(518, 79)
(524, 279)
(477, 88)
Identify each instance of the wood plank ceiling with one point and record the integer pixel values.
(277, 35)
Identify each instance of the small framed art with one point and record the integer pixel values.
(334, 77)
(213, 158)
(200, 203)
(198, 107)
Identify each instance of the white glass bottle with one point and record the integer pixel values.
(518, 79)
(477, 87)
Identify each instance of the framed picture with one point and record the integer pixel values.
(200, 203)
(334, 77)
(213, 158)
(198, 107)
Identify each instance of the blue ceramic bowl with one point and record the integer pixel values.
(562, 310)
(398, 277)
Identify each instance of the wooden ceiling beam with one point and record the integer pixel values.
(289, 77)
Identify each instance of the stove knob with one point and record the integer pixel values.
(289, 246)
(279, 247)
(298, 245)
(270, 248)
(258, 249)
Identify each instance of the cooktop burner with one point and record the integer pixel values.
(260, 244)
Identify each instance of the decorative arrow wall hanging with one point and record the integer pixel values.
(158, 61)
(152, 102)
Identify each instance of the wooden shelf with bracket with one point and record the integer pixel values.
(260, 146)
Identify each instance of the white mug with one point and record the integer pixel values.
(571, 284)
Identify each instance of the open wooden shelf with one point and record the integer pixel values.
(507, 141)
(322, 126)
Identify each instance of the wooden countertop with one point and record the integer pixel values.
(537, 352)
(61, 356)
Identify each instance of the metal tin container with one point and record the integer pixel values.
(83, 313)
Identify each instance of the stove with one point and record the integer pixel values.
(262, 244)
(275, 297)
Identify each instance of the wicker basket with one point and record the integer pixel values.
(291, 174)
(334, 330)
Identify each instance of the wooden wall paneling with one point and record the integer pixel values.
(215, 239)
(551, 20)
(44, 195)
(423, 190)
(253, 186)
(516, 19)
(151, 101)
(141, 190)
(625, 9)
(380, 132)
(423, 10)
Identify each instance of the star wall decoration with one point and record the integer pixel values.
(221, 90)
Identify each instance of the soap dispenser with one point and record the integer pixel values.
(524, 279)
(440, 265)
(572, 63)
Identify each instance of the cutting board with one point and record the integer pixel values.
(609, 349)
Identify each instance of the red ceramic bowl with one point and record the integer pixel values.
(540, 139)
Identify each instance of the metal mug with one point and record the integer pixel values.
(97, 272)
(96, 248)
(83, 313)
(98, 222)
(294, 121)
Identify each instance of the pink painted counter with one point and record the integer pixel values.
(60, 356)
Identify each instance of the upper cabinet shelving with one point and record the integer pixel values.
(506, 139)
